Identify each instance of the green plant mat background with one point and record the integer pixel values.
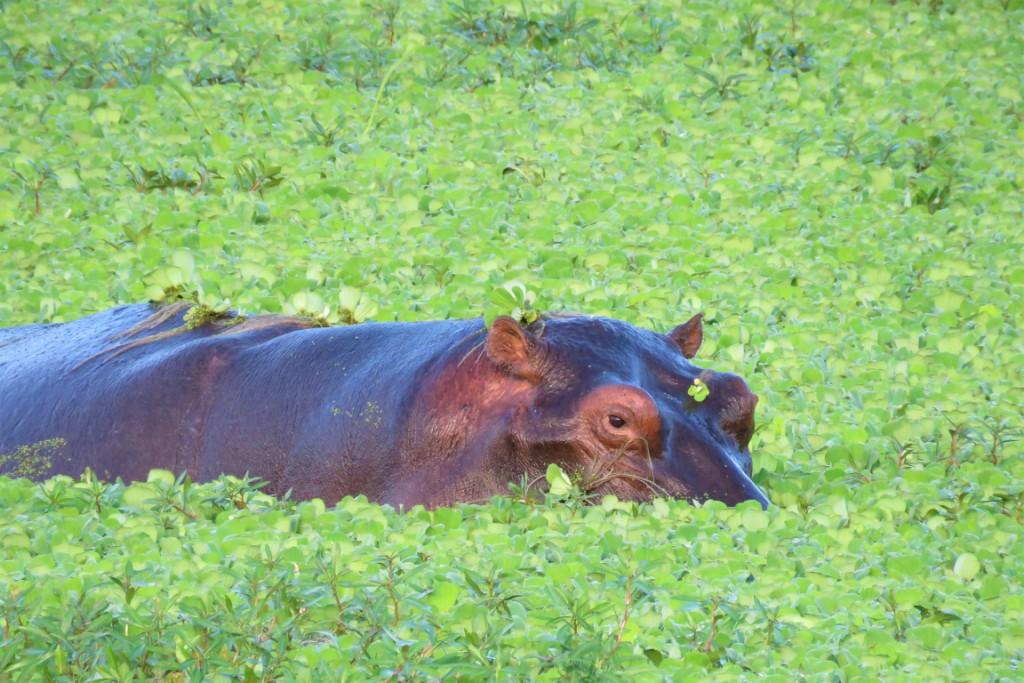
(835, 184)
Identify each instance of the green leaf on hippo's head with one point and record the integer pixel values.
(698, 391)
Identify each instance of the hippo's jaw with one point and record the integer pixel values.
(633, 471)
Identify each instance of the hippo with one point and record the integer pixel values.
(405, 413)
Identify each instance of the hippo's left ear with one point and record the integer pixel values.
(512, 347)
(689, 335)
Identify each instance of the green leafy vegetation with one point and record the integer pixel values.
(835, 185)
(172, 580)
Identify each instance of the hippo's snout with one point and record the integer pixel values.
(733, 485)
(751, 491)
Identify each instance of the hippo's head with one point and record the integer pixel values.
(611, 401)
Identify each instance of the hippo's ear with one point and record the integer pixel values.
(512, 347)
(689, 335)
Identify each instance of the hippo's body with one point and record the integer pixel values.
(406, 413)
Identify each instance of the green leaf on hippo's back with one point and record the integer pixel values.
(168, 277)
(365, 310)
(308, 303)
(348, 297)
(354, 305)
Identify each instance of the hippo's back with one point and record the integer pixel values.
(321, 412)
(135, 388)
(116, 391)
(50, 392)
(44, 363)
(28, 350)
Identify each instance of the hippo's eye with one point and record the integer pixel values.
(616, 421)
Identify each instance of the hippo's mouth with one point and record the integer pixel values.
(629, 475)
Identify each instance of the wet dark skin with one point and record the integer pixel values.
(430, 413)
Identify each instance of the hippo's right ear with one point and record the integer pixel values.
(689, 336)
(512, 348)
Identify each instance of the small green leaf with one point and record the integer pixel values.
(444, 596)
(559, 483)
(348, 297)
(698, 391)
(160, 476)
(966, 566)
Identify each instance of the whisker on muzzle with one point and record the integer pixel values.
(607, 472)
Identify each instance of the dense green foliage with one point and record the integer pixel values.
(835, 184)
(140, 581)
